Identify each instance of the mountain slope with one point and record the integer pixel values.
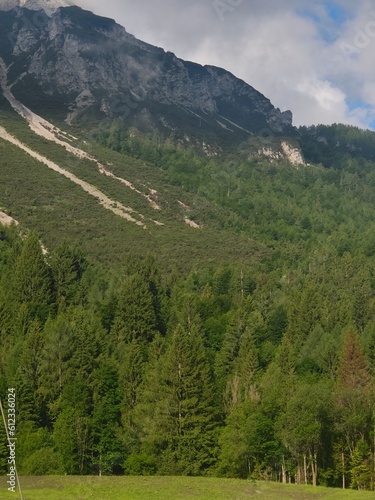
(78, 95)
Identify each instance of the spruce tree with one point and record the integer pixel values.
(246, 367)
(152, 276)
(32, 279)
(88, 339)
(185, 412)
(30, 400)
(68, 266)
(56, 354)
(135, 317)
(107, 449)
(227, 355)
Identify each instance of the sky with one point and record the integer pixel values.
(315, 58)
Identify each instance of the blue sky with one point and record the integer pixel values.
(329, 19)
(337, 12)
(315, 58)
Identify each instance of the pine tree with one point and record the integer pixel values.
(143, 433)
(277, 324)
(287, 354)
(246, 367)
(225, 358)
(132, 359)
(30, 364)
(360, 467)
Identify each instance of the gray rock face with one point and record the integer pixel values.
(49, 6)
(71, 53)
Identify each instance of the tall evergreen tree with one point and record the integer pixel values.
(56, 355)
(68, 266)
(184, 410)
(107, 448)
(152, 276)
(88, 340)
(226, 357)
(31, 402)
(136, 317)
(32, 279)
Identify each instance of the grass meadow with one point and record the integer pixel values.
(168, 488)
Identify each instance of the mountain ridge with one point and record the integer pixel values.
(91, 64)
(49, 6)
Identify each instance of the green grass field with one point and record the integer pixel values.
(165, 488)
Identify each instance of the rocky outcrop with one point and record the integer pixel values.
(91, 62)
(293, 154)
(272, 154)
(286, 151)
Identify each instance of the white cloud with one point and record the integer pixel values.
(289, 50)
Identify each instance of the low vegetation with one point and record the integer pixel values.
(169, 488)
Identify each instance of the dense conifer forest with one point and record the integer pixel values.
(240, 371)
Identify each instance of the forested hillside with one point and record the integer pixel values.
(243, 371)
(241, 347)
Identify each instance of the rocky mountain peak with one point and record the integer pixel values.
(90, 64)
(49, 6)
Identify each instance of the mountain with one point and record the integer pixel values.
(187, 285)
(90, 65)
